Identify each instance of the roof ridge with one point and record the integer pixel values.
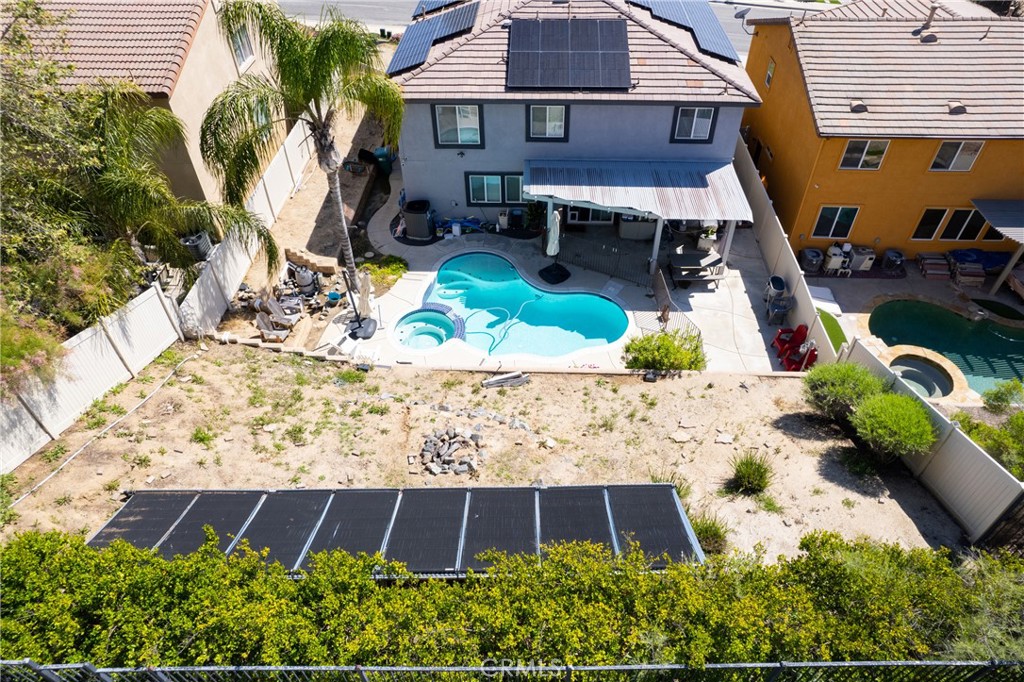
(796, 21)
(698, 58)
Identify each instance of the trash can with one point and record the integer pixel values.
(198, 245)
(811, 260)
(383, 155)
(417, 220)
(893, 259)
(776, 287)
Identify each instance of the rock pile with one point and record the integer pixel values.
(452, 451)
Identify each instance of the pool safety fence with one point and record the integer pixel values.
(891, 671)
(620, 258)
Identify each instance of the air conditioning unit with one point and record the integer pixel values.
(862, 258)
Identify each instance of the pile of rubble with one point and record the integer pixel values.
(452, 451)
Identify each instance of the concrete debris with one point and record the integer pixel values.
(725, 438)
(449, 451)
(681, 437)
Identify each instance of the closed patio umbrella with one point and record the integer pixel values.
(554, 233)
(363, 283)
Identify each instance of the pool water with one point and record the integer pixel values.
(504, 314)
(424, 329)
(999, 308)
(925, 377)
(984, 351)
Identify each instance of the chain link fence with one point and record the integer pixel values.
(872, 671)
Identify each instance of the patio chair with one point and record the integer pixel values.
(796, 360)
(787, 339)
(281, 317)
(268, 332)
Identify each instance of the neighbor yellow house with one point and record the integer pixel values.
(882, 123)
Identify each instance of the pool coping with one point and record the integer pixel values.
(962, 392)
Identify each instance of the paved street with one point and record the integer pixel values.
(394, 14)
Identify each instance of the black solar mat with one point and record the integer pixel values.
(651, 518)
(144, 519)
(226, 511)
(425, 535)
(568, 514)
(431, 5)
(418, 37)
(499, 518)
(356, 521)
(699, 18)
(568, 53)
(284, 523)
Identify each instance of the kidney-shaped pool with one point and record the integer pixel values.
(500, 313)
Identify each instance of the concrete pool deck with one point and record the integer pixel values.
(729, 314)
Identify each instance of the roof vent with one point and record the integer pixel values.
(857, 106)
(931, 15)
(507, 24)
(559, 2)
(930, 38)
(956, 107)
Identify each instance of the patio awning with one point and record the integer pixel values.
(1005, 215)
(672, 190)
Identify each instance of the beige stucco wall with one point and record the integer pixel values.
(209, 68)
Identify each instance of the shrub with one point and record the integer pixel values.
(752, 473)
(385, 272)
(1004, 443)
(712, 532)
(29, 347)
(7, 515)
(836, 389)
(682, 484)
(666, 352)
(894, 425)
(1003, 396)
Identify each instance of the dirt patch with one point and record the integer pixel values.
(241, 418)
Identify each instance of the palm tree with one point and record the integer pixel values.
(315, 75)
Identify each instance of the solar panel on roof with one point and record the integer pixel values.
(418, 37)
(568, 53)
(425, 6)
(144, 519)
(698, 17)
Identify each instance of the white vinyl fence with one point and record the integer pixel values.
(778, 255)
(972, 486)
(96, 360)
(282, 177)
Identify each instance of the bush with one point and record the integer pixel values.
(751, 474)
(7, 515)
(666, 352)
(29, 347)
(1004, 443)
(836, 389)
(1001, 398)
(385, 272)
(712, 532)
(894, 425)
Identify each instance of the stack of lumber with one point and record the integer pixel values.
(968, 274)
(933, 265)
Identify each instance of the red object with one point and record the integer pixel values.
(795, 361)
(788, 339)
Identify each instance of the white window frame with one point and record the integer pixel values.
(864, 154)
(692, 137)
(832, 229)
(938, 226)
(769, 75)
(547, 134)
(460, 109)
(486, 198)
(953, 162)
(971, 213)
(242, 43)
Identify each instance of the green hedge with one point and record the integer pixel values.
(65, 602)
(666, 352)
(837, 388)
(894, 425)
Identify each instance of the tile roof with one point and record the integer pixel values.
(665, 63)
(145, 41)
(962, 77)
(906, 9)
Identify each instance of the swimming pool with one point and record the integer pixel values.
(984, 351)
(500, 313)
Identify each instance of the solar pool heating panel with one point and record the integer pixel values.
(356, 521)
(574, 514)
(431, 6)
(144, 519)
(413, 48)
(455, 21)
(499, 518)
(226, 512)
(284, 523)
(426, 531)
(699, 18)
(652, 519)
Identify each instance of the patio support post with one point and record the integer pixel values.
(657, 245)
(1006, 271)
(730, 230)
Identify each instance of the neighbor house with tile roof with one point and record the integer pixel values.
(892, 124)
(175, 52)
(596, 108)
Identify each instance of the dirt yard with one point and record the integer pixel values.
(236, 417)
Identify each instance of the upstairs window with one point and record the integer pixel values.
(864, 154)
(770, 74)
(835, 222)
(242, 47)
(955, 155)
(547, 123)
(458, 125)
(693, 124)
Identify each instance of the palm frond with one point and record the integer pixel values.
(131, 128)
(238, 136)
(224, 221)
(381, 97)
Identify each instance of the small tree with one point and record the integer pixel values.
(836, 389)
(894, 425)
(1002, 397)
(666, 352)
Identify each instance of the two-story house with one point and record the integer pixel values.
(175, 51)
(891, 125)
(597, 108)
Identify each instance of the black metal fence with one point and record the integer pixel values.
(870, 671)
(624, 259)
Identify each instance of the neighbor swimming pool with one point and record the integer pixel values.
(984, 351)
(500, 313)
